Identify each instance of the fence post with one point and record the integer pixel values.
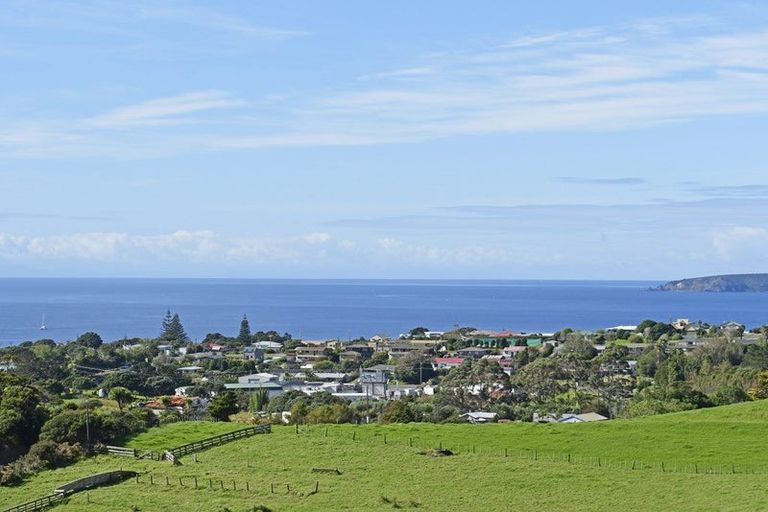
(195, 482)
(248, 486)
(317, 486)
(166, 481)
(385, 438)
(272, 488)
(505, 452)
(151, 479)
(410, 442)
(354, 434)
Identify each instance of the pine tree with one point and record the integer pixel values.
(177, 330)
(245, 331)
(166, 327)
(172, 328)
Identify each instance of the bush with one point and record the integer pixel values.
(336, 413)
(55, 455)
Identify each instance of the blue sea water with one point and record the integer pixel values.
(117, 308)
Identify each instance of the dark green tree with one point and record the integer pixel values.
(122, 396)
(89, 340)
(223, 406)
(172, 328)
(244, 337)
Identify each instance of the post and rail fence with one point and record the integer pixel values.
(172, 454)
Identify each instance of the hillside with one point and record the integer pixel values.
(700, 450)
(720, 283)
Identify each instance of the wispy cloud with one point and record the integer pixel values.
(203, 245)
(164, 110)
(594, 78)
(727, 191)
(575, 180)
(127, 18)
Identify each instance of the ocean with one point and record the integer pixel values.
(344, 309)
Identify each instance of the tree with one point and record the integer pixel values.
(244, 337)
(89, 340)
(121, 395)
(172, 328)
(398, 411)
(223, 406)
(414, 369)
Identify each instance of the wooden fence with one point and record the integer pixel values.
(173, 454)
(64, 491)
(122, 451)
(38, 504)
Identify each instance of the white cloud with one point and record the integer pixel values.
(164, 110)
(740, 240)
(605, 78)
(180, 245)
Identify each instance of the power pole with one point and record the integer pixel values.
(87, 424)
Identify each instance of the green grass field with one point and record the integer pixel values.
(379, 476)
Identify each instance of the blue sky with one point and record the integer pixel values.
(401, 139)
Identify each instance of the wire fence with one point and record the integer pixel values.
(212, 483)
(500, 451)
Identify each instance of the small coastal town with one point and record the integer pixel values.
(371, 256)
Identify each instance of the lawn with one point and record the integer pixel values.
(379, 476)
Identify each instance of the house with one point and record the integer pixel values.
(446, 363)
(311, 353)
(165, 349)
(330, 376)
(364, 351)
(479, 416)
(403, 390)
(190, 369)
(389, 369)
(512, 351)
(472, 352)
(433, 335)
(257, 377)
(402, 349)
(568, 418)
(268, 345)
(182, 391)
(374, 382)
(273, 388)
(203, 356)
(253, 354)
(581, 418)
(350, 356)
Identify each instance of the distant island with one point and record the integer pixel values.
(721, 283)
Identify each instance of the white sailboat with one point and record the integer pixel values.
(43, 327)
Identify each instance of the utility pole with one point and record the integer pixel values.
(87, 424)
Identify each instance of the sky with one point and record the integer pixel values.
(344, 139)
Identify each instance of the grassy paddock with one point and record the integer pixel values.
(717, 437)
(177, 434)
(375, 476)
(379, 476)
